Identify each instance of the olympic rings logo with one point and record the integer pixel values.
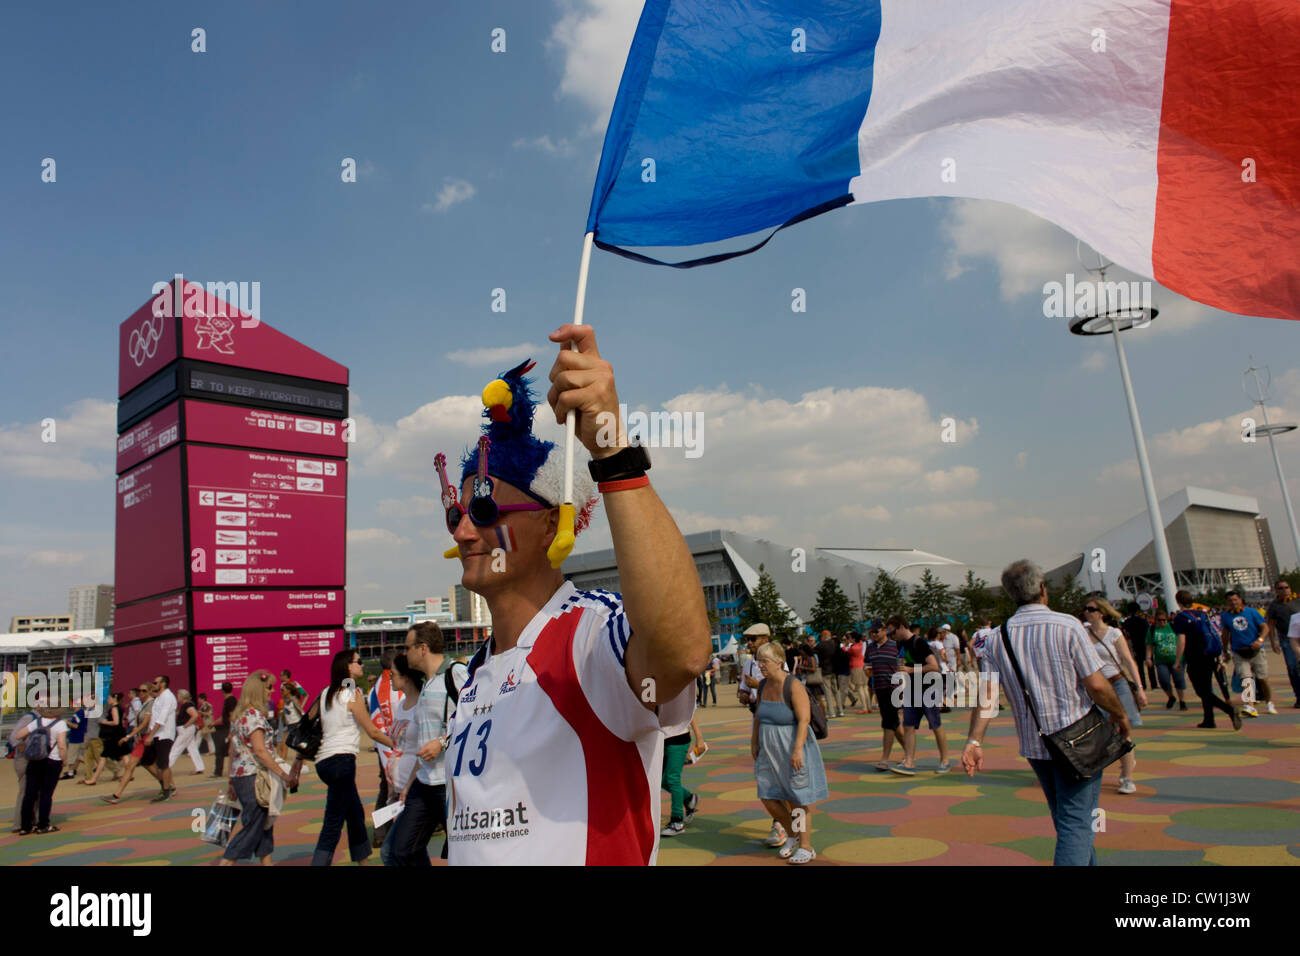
(144, 340)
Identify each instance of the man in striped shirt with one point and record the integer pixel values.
(1064, 679)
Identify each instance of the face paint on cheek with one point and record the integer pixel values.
(505, 537)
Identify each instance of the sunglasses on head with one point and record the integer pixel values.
(483, 509)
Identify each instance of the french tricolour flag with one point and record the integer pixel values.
(1164, 133)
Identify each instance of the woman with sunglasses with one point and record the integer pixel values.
(1118, 667)
(343, 716)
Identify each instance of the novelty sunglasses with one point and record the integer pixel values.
(483, 509)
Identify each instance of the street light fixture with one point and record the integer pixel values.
(1259, 396)
(1112, 322)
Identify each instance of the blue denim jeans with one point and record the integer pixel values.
(254, 838)
(342, 805)
(1292, 671)
(1071, 806)
(407, 843)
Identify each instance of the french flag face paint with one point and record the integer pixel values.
(505, 537)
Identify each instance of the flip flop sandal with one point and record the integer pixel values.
(883, 766)
(49, 829)
(111, 798)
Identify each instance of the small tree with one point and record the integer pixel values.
(832, 610)
(886, 598)
(974, 596)
(1068, 600)
(764, 606)
(930, 600)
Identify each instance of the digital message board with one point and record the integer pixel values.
(159, 431)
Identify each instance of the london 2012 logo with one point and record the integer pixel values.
(215, 332)
(143, 343)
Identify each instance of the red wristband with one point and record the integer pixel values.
(623, 484)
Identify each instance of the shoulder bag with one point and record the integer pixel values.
(1085, 748)
(304, 737)
(1132, 685)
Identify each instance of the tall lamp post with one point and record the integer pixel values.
(1113, 322)
(1259, 396)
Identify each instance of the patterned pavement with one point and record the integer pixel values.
(1204, 797)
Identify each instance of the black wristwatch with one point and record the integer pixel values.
(630, 462)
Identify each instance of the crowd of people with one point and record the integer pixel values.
(1074, 662)
(787, 686)
(546, 746)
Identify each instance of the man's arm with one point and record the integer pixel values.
(1104, 696)
(662, 595)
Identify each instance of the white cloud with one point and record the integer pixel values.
(863, 513)
(365, 536)
(82, 449)
(692, 521)
(1029, 252)
(1094, 362)
(499, 355)
(55, 559)
(415, 506)
(406, 449)
(952, 479)
(1126, 470)
(453, 191)
(544, 144)
(594, 37)
(964, 510)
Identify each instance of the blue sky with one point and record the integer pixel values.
(475, 173)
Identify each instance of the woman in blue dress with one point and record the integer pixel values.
(787, 762)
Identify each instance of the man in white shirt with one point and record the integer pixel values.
(758, 634)
(1063, 676)
(158, 755)
(555, 750)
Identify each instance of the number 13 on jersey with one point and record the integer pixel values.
(478, 760)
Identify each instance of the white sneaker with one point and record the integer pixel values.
(1248, 710)
(1127, 786)
(674, 828)
(1270, 708)
(776, 837)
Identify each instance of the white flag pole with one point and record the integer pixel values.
(564, 534)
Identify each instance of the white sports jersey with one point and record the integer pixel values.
(552, 758)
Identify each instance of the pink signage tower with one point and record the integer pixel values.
(231, 497)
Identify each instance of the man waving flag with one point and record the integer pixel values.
(1164, 133)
